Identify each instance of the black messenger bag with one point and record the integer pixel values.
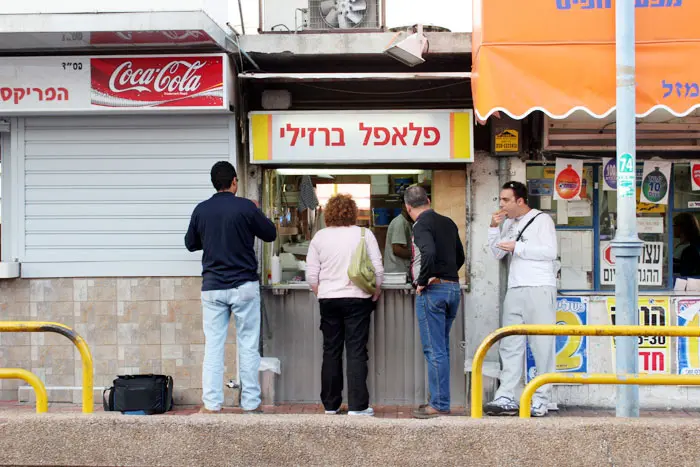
(150, 394)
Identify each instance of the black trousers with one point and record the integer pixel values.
(345, 321)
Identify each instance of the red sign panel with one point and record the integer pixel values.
(182, 81)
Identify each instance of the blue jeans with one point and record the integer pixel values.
(217, 306)
(436, 309)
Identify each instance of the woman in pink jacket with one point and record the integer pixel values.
(345, 308)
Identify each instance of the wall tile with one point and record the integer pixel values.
(95, 290)
(188, 288)
(58, 290)
(14, 290)
(138, 323)
(132, 325)
(138, 289)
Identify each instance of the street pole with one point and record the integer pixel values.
(626, 245)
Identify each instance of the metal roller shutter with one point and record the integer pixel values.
(112, 196)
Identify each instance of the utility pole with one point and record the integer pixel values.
(626, 245)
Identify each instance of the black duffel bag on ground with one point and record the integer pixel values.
(150, 394)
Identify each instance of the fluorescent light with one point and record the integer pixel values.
(323, 172)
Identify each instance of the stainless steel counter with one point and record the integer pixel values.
(397, 374)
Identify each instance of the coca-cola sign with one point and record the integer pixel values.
(138, 83)
(183, 81)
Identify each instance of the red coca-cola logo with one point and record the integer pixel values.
(178, 76)
(166, 81)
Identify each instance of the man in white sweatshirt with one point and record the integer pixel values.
(528, 240)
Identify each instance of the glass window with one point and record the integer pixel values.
(574, 223)
(685, 224)
(653, 230)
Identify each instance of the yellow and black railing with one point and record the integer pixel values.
(33, 380)
(575, 378)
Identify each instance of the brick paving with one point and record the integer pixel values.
(382, 411)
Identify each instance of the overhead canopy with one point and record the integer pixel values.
(64, 33)
(558, 56)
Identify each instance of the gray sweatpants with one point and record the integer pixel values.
(527, 305)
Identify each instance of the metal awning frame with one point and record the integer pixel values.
(35, 24)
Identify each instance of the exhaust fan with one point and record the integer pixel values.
(343, 14)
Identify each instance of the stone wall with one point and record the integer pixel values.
(132, 325)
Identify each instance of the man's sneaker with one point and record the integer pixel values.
(369, 411)
(539, 409)
(502, 406)
(332, 412)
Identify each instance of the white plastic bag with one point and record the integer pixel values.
(270, 364)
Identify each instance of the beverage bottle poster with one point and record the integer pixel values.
(568, 179)
(656, 182)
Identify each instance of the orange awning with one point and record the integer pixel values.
(558, 56)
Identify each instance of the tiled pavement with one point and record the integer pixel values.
(397, 412)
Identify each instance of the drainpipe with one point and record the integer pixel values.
(626, 246)
(503, 178)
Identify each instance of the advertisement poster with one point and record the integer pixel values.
(650, 264)
(571, 351)
(568, 179)
(539, 187)
(655, 182)
(654, 351)
(115, 83)
(695, 175)
(609, 174)
(687, 310)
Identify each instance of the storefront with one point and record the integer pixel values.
(564, 58)
(370, 154)
(103, 160)
(94, 148)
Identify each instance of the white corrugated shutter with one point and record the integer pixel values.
(112, 196)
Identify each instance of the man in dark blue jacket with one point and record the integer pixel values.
(225, 227)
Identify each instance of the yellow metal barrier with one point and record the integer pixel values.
(42, 399)
(79, 342)
(599, 378)
(477, 409)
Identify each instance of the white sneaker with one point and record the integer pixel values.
(502, 406)
(369, 411)
(539, 409)
(332, 412)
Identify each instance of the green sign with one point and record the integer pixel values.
(625, 164)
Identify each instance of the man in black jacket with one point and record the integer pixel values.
(438, 255)
(225, 227)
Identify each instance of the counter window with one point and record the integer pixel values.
(289, 200)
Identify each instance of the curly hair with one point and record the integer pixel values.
(341, 211)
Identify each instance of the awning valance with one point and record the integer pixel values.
(558, 56)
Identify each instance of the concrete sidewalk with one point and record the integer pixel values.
(278, 440)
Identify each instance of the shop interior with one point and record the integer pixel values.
(287, 200)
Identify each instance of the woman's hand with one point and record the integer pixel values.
(376, 295)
